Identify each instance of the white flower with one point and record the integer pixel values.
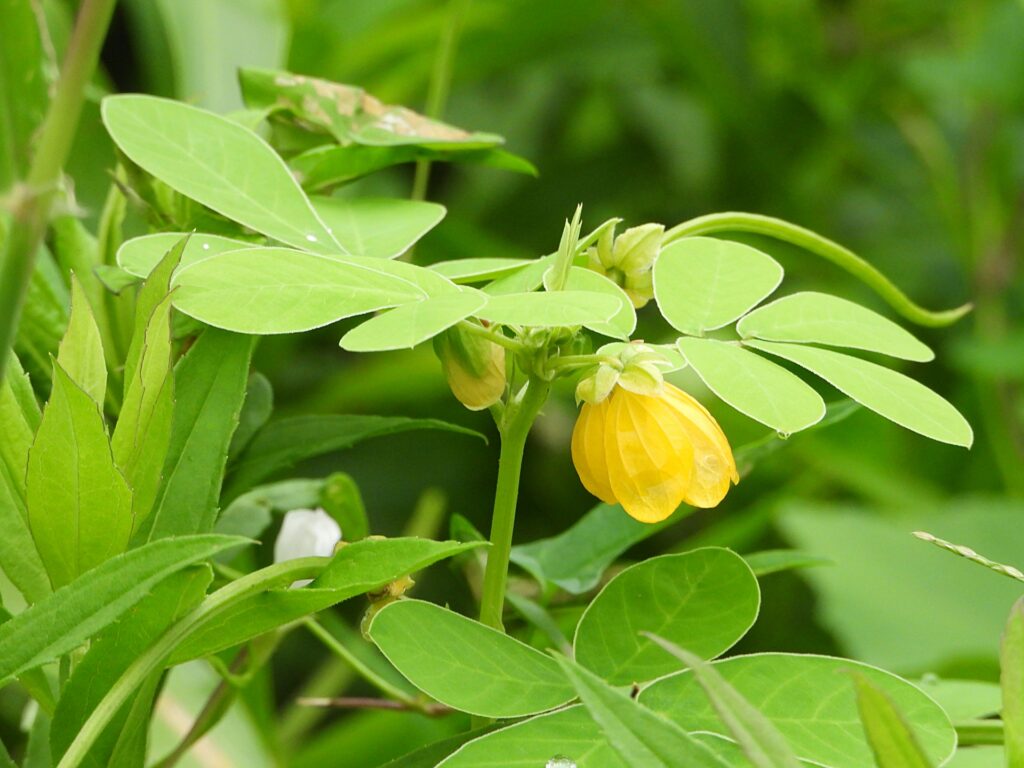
(306, 533)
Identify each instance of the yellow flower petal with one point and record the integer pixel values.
(714, 466)
(649, 460)
(588, 450)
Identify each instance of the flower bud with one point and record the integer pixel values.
(474, 367)
(306, 533)
(627, 260)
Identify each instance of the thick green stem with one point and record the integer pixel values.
(820, 246)
(34, 198)
(977, 732)
(516, 422)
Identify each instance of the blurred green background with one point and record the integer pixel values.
(895, 127)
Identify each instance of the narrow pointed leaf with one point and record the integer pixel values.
(819, 318)
(810, 700)
(1011, 678)
(642, 738)
(72, 615)
(81, 350)
(209, 386)
(754, 386)
(218, 163)
(891, 738)
(886, 392)
(761, 742)
(702, 283)
(80, 507)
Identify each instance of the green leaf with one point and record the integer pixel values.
(760, 389)
(377, 227)
(218, 163)
(623, 323)
(761, 742)
(1011, 678)
(570, 734)
(886, 392)
(642, 738)
(478, 270)
(810, 700)
(707, 599)
(350, 114)
(528, 278)
(152, 294)
(79, 505)
(209, 384)
(113, 650)
(465, 664)
(412, 324)
(256, 411)
(556, 308)
(702, 283)
(143, 430)
(360, 567)
(281, 444)
(328, 166)
(81, 349)
(775, 560)
(576, 559)
(73, 614)
(19, 419)
(819, 318)
(891, 738)
(278, 290)
(19, 557)
(140, 255)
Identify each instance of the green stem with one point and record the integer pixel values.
(155, 656)
(820, 246)
(498, 338)
(33, 200)
(440, 84)
(978, 732)
(516, 422)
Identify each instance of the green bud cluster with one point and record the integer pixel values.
(628, 259)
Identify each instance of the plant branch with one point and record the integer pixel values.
(820, 246)
(434, 709)
(34, 199)
(515, 426)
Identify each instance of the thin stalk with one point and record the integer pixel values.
(440, 84)
(518, 418)
(361, 669)
(498, 338)
(33, 199)
(819, 246)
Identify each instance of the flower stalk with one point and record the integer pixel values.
(514, 427)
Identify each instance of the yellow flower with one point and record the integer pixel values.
(650, 453)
